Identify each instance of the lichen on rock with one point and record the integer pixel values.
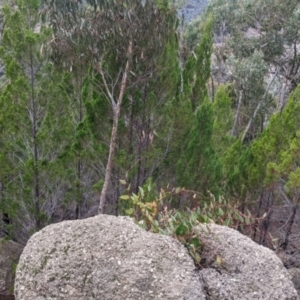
(105, 257)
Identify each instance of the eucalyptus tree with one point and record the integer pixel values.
(119, 40)
(149, 113)
(265, 33)
(31, 124)
(256, 25)
(248, 81)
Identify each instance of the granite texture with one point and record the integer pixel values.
(105, 257)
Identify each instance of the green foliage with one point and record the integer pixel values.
(236, 160)
(56, 115)
(113, 26)
(123, 46)
(276, 152)
(199, 167)
(32, 127)
(150, 210)
(255, 53)
(223, 119)
(249, 74)
(197, 67)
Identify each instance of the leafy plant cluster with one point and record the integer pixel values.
(151, 210)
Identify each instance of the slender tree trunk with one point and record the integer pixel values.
(131, 128)
(266, 221)
(118, 194)
(116, 106)
(6, 220)
(251, 120)
(259, 106)
(78, 201)
(139, 166)
(212, 89)
(258, 215)
(290, 224)
(79, 165)
(237, 115)
(36, 186)
(142, 137)
(265, 228)
(109, 165)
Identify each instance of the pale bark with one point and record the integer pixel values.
(36, 184)
(237, 115)
(116, 106)
(259, 106)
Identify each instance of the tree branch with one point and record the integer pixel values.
(259, 105)
(237, 114)
(110, 95)
(112, 145)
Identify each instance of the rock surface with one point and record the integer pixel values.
(240, 268)
(110, 258)
(105, 257)
(295, 276)
(10, 252)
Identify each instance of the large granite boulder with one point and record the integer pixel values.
(10, 252)
(108, 258)
(238, 268)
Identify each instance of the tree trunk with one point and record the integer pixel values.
(237, 115)
(112, 146)
(251, 120)
(259, 106)
(78, 187)
(79, 197)
(116, 114)
(290, 224)
(36, 184)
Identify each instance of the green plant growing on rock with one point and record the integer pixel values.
(150, 209)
